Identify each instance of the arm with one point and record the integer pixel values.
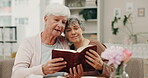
(26, 63)
(94, 59)
(21, 68)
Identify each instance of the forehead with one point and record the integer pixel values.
(58, 17)
(73, 23)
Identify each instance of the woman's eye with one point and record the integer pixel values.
(68, 30)
(64, 22)
(56, 19)
(76, 28)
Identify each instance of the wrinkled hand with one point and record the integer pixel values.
(74, 73)
(94, 59)
(53, 65)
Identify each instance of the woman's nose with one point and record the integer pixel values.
(73, 31)
(60, 24)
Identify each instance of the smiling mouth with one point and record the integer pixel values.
(74, 37)
(57, 30)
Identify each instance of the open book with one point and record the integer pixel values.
(74, 58)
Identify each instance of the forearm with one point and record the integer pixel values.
(106, 71)
(22, 72)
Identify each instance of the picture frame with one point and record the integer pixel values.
(141, 12)
(129, 7)
(117, 12)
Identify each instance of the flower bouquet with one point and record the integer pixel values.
(118, 57)
(125, 24)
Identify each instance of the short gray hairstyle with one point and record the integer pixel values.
(74, 19)
(57, 10)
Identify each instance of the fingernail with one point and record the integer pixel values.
(62, 59)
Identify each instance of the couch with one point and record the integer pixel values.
(134, 68)
(6, 68)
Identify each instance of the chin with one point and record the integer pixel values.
(74, 41)
(56, 35)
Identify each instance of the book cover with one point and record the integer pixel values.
(74, 58)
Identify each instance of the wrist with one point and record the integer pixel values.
(43, 69)
(66, 75)
(102, 66)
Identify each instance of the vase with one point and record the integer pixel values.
(113, 75)
(133, 39)
(120, 72)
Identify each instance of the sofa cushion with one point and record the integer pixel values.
(135, 68)
(6, 68)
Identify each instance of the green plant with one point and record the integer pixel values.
(88, 13)
(127, 23)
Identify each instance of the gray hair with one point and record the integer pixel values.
(57, 10)
(75, 19)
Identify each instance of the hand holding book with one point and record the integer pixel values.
(76, 73)
(53, 65)
(94, 59)
(74, 58)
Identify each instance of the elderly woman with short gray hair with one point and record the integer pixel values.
(34, 54)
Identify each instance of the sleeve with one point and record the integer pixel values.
(107, 70)
(21, 68)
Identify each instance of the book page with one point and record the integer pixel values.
(83, 47)
(66, 50)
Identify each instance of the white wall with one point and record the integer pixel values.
(140, 24)
(30, 11)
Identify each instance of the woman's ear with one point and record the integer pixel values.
(45, 18)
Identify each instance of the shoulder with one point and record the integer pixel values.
(95, 42)
(31, 40)
(61, 38)
(100, 46)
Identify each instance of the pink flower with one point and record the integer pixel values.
(127, 55)
(116, 55)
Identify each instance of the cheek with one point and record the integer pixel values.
(48, 24)
(80, 32)
(67, 35)
(63, 28)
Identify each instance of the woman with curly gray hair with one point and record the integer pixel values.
(74, 33)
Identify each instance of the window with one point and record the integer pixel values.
(5, 6)
(21, 2)
(21, 21)
(5, 20)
